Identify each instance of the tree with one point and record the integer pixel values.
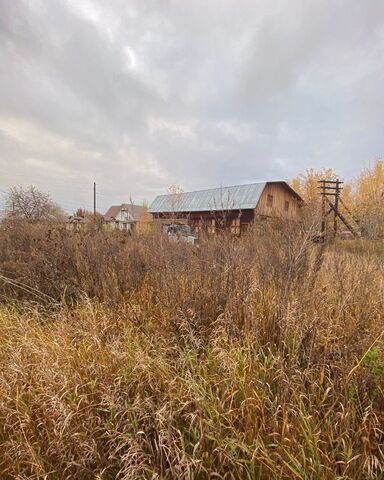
(145, 223)
(31, 204)
(80, 212)
(369, 199)
(307, 186)
(363, 197)
(174, 196)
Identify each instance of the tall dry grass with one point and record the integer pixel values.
(133, 357)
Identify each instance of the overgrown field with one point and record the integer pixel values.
(138, 358)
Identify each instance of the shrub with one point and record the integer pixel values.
(134, 357)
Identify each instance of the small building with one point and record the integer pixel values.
(229, 208)
(124, 217)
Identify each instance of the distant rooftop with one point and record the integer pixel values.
(135, 210)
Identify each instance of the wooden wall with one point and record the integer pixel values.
(280, 195)
(235, 221)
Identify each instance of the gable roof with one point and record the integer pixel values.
(112, 212)
(238, 197)
(136, 211)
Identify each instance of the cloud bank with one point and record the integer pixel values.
(140, 95)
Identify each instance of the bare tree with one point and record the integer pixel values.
(175, 196)
(31, 204)
(81, 212)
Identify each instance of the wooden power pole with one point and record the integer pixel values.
(330, 191)
(94, 199)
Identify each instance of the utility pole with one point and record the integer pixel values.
(323, 206)
(330, 191)
(336, 212)
(94, 199)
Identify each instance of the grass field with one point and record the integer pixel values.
(132, 357)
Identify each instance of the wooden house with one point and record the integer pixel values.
(229, 208)
(124, 217)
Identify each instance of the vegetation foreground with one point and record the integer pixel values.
(134, 357)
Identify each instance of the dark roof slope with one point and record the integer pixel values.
(112, 212)
(135, 210)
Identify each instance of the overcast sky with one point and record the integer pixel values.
(139, 95)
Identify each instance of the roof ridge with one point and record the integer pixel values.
(218, 188)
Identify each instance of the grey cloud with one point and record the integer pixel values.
(137, 95)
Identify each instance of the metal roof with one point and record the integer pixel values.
(239, 197)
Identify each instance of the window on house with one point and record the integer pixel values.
(286, 205)
(198, 225)
(269, 200)
(212, 227)
(235, 226)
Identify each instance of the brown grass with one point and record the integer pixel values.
(132, 357)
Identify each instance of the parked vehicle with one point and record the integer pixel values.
(180, 233)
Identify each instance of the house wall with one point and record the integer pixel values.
(121, 225)
(124, 216)
(279, 195)
(236, 221)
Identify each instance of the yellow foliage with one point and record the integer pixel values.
(369, 198)
(370, 185)
(347, 195)
(364, 197)
(145, 224)
(307, 184)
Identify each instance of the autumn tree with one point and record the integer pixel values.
(369, 199)
(307, 186)
(31, 204)
(145, 223)
(362, 199)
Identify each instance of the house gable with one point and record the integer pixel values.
(125, 212)
(279, 200)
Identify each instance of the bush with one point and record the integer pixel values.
(135, 357)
